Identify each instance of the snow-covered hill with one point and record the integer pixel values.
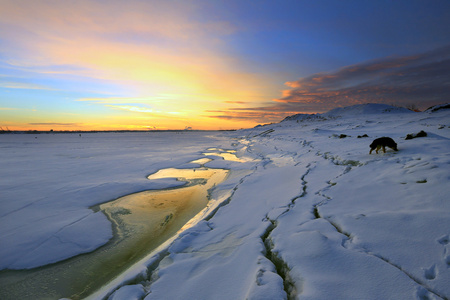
(365, 109)
(308, 213)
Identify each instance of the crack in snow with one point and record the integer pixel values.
(281, 266)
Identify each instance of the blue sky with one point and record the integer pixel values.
(214, 64)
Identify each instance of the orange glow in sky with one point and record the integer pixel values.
(135, 65)
(111, 65)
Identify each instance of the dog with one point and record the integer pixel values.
(383, 142)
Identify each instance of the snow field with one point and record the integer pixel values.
(320, 218)
(49, 181)
(306, 212)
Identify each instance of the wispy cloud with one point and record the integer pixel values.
(258, 116)
(236, 102)
(205, 62)
(160, 41)
(149, 106)
(119, 100)
(138, 109)
(23, 85)
(55, 124)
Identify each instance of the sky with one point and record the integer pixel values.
(205, 64)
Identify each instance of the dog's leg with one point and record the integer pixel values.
(370, 152)
(384, 149)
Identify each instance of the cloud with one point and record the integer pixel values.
(258, 116)
(88, 36)
(22, 85)
(236, 102)
(149, 107)
(120, 100)
(133, 104)
(140, 46)
(420, 80)
(54, 124)
(169, 55)
(157, 19)
(131, 108)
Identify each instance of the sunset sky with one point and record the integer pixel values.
(108, 65)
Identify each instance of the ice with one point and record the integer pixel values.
(49, 181)
(130, 292)
(306, 213)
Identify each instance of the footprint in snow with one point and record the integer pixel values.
(423, 294)
(447, 260)
(444, 241)
(430, 273)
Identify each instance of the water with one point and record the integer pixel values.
(141, 222)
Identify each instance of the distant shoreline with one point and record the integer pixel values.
(102, 131)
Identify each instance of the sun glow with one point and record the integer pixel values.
(148, 67)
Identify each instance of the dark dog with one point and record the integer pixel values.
(383, 142)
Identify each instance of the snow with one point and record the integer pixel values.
(49, 181)
(306, 212)
(367, 109)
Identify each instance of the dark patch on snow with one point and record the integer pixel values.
(315, 212)
(363, 109)
(411, 136)
(438, 107)
(304, 117)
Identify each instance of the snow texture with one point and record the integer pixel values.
(307, 213)
(49, 181)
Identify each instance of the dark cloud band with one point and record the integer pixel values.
(416, 81)
(422, 80)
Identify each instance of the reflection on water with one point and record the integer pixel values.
(144, 216)
(226, 154)
(141, 222)
(201, 161)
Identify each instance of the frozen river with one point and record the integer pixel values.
(136, 223)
